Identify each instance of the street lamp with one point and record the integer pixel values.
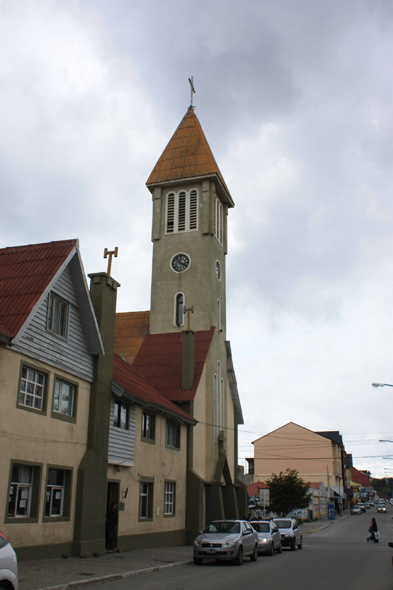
(381, 385)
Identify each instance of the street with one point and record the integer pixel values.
(335, 557)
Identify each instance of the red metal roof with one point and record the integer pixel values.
(139, 388)
(160, 360)
(158, 357)
(25, 272)
(187, 155)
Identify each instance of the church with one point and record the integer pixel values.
(137, 409)
(180, 345)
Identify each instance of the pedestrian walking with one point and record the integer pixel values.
(372, 530)
(111, 526)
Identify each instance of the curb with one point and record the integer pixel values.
(325, 526)
(114, 577)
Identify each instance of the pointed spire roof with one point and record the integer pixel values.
(188, 155)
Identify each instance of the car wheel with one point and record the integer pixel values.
(279, 548)
(300, 546)
(254, 555)
(197, 560)
(293, 545)
(239, 557)
(271, 552)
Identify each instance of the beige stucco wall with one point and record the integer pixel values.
(201, 432)
(33, 437)
(295, 447)
(230, 433)
(161, 463)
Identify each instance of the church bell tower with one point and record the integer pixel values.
(189, 234)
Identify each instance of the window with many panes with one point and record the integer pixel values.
(182, 212)
(148, 426)
(57, 315)
(32, 389)
(172, 434)
(22, 502)
(169, 498)
(145, 500)
(121, 415)
(64, 398)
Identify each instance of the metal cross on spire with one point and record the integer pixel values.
(191, 81)
(109, 254)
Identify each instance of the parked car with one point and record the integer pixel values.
(391, 501)
(291, 535)
(269, 536)
(228, 540)
(371, 502)
(8, 565)
(355, 509)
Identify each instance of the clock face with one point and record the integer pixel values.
(180, 262)
(218, 270)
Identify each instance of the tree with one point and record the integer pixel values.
(287, 491)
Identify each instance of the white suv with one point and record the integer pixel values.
(8, 565)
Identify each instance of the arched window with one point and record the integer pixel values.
(179, 309)
(182, 212)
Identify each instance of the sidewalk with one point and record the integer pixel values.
(74, 572)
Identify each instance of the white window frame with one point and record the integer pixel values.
(182, 218)
(61, 383)
(126, 407)
(169, 498)
(172, 432)
(23, 493)
(146, 491)
(55, 489)
(37, 389)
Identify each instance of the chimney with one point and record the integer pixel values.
(187, 374)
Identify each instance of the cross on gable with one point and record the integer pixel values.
(109, 254)
(188, 311)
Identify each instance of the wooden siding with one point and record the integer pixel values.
(122, 442)
(70, 354)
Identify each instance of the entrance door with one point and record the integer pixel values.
(112, 498)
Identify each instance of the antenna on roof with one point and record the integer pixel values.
(109, 254)
(191, 81)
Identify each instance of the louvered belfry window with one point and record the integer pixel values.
(182, 212)
(218, 220)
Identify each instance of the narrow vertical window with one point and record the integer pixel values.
(182, 212)
(218, 315)
(179, 309)
(216, 417)
(221, 224)
(222, 404)
(170, 214)
(193, 209)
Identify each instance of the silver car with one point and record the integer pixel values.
(226, 539)
(291, 535)
(269, 536)
(8, 565)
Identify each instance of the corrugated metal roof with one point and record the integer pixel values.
(158, 357)
(25, 272)
(187, 155)
(160, 360)
(138, 387)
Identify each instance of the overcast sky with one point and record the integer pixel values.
(295, 98)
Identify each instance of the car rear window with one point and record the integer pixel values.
(261, 527)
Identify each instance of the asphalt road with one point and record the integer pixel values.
(336, 557)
